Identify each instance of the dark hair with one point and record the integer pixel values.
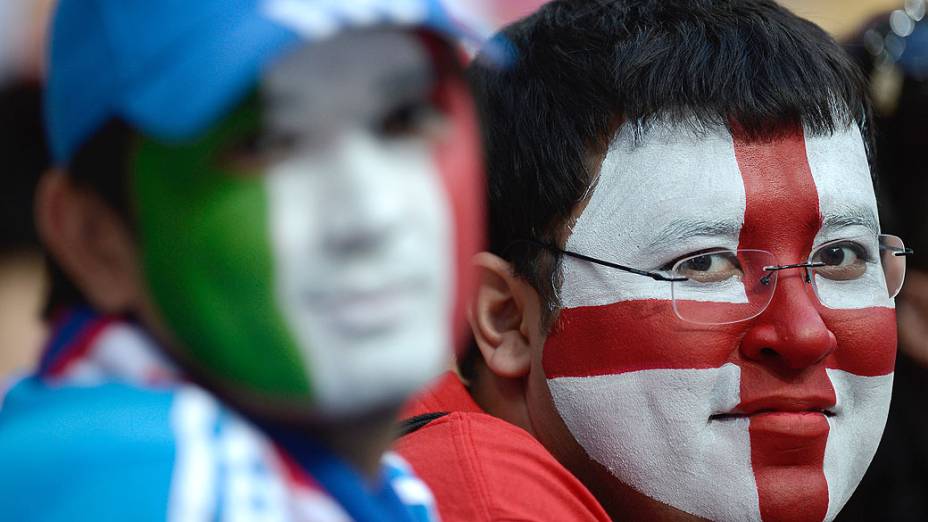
(25, 157)
(582, 68)
(99, 166)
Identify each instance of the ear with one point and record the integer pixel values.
(505, 317)
(90, 243)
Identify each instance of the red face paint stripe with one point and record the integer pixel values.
(787, 455)
(627, 336)
(623, 337)
(458, 157)
(866, 341)
(782, 215)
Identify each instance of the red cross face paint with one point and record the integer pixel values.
(733, 422)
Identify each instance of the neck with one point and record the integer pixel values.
(500, 397)
(507, 399)
(361, 442)
(621, 502)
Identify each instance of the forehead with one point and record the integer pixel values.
(649, 183)
(353, 74)
(675, 188)
(673, 192)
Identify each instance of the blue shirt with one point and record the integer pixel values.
(108, 430)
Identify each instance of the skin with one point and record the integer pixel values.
(789, 361)
(301, 190)
(22, 283)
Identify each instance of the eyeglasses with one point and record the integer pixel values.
(729, 286)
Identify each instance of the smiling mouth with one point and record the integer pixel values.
(815, 404)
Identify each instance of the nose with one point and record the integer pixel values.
(359, 206)
(790, 334)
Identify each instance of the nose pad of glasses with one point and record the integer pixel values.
(765, 280)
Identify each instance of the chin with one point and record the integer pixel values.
(662, 433)
(353, 373)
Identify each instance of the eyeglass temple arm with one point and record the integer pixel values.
(653, 275)
(898, 252)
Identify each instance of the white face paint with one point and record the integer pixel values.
(666, 406)
(842, 175)
(361, 228)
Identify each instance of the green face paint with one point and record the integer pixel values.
(208, 260)
(325, 276)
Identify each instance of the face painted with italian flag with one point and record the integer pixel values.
(775, 418)
(305, 249)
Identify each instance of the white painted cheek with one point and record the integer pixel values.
(643, 189)
(855, 432)
(375, 219)
(842, 178)
(651, 429)
(867, 292)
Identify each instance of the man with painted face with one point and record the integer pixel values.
(256, 234)
(688, 300)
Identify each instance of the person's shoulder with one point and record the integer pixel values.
(92, 421)
(483, 468)
(95, 452)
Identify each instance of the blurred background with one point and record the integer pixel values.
(889, 38)
(23, 153)
(839, 17)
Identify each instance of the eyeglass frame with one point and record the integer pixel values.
(658, 276)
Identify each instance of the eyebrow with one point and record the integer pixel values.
(683, 228)
(849, 216)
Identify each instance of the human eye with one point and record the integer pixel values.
(709, 267)
(255, 150)
(843, 260)
(411, 119)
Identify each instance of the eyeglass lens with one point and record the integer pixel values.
(725, 286)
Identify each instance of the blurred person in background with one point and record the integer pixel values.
(259, 225)
(893, 51)
(688, 299)
(24, 158)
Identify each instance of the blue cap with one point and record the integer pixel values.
(171, 68)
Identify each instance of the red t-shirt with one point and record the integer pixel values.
(482, 468)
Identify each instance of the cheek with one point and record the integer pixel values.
(208, 264)
(866, 340)
(459, 159)
(632, 336)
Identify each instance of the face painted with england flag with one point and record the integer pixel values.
(741, 421)
(303, 250)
